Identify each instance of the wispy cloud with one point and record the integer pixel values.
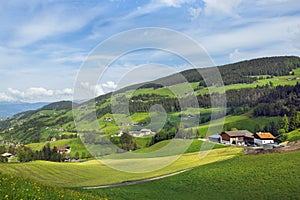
(45, 22)
(195, 12)
(215, 7)
(90, 88)
(43, 43)
(110, 85)
(36, 94)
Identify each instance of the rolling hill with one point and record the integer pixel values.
(264, 87)
(261, 95)
(8, 109)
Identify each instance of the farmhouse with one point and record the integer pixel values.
(64, 149)
(261, 138)
(141, 133)
(108, 119)
(146, 131)
(240, 137)
(136, 133)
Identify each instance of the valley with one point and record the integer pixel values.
(63, 146)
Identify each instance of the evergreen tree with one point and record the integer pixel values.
(285, 123)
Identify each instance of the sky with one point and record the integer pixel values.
(43, 44)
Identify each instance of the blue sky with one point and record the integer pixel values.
(43, 43)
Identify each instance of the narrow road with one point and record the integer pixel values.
(134, 182)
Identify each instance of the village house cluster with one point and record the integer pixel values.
(243, 138)
(141, 133)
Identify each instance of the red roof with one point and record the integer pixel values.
(63, 148)
(266, 135)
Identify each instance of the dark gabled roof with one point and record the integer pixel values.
(239, 133)
(215, 136)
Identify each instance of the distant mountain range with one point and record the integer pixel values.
(8, 109)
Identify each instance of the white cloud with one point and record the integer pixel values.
(257, 35)
(173, 3)
(66, 91)
(36, 94)
(194, 12)
(216, 7)
(52, 21)
(156, 5)
(110, 85)
(273, 50)
(6, 98)
(96, 89)
(235, 56)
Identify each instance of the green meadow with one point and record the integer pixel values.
(93, 173)
(12, 187)
(267, 176)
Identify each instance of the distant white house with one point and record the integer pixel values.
(136, 133)
(146, 131)
(7, 155)
(141, 133)
(261, 138)
(134, 124)
(108, 119)
(119, 134)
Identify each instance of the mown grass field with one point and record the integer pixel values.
(194, 147)
(268, 176)
(93, 172)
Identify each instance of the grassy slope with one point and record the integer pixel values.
(19, 188)
(240, 122)
(293, 135)
(94, 173)
(268, 176)
(194, 147)
(180, 88)
(75, 144)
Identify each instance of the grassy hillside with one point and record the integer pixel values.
(12, 187)
(294, 135)
(240, 122)
(36, 126)
(75, 144)
(269, 176)
(93, 173)
(194, 147)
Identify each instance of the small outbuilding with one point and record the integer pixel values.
(261, 138)
(215, 138)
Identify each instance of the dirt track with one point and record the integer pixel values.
(135, 182)
(290, 146)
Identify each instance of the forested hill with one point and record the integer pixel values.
(270, 89)
(240, 72)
